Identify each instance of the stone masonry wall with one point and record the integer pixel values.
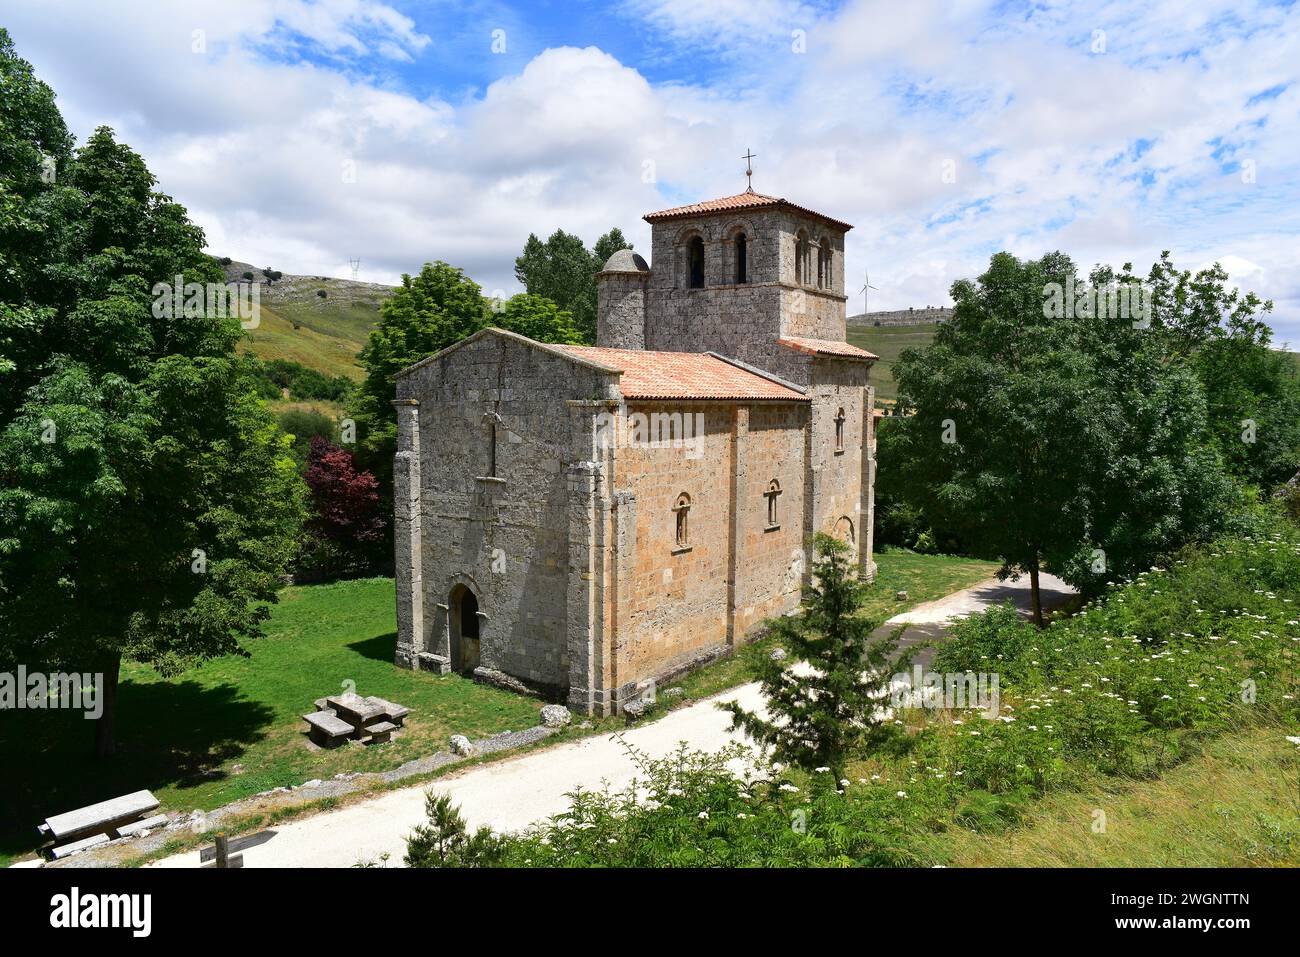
(744, 320)
(620, 309)
(506, 539)
(676, 597)
(678, 605)
(834, 478)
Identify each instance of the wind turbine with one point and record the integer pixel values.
(866, 296)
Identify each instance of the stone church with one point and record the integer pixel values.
(588, 521)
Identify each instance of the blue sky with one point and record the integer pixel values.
(303, 134)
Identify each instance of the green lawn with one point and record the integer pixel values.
(888, 342)
(233, 727)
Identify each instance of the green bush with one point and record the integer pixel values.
(304, 425)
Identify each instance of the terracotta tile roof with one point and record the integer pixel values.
(826, 347)
(739, 201)
(683, 375)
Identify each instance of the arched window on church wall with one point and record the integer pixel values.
(682, 510)
(695, 262)
(801, 258)
(742, 258)
(772, 493)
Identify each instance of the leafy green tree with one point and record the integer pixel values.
(562, 270)
(1252, 391)
(1055, 440)
(445, 841)
(537, 318)
(429, 312)
(820, 716)
(147, 500)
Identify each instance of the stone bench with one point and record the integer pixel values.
(381, 732)
(395, 713)
(102, 818)
(327, 729)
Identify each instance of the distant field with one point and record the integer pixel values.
(888, 342)
(277, 337)
(349, 322)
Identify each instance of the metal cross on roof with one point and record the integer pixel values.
(749, 169)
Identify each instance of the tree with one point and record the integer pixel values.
(537, 318)
(1053, 439)
(562, 270)
(147, 502)
(429, 312)
(444, 839)
(345, 502)
(821, 715)
(1252, 391)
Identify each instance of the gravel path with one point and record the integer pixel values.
(513, 793)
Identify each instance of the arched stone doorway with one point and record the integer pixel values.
(844, 531)
(462, 614)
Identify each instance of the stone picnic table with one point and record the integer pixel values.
(350, 717)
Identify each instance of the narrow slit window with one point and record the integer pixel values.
(773, 493)
(839, 431)
(742, 254)
(682, 511)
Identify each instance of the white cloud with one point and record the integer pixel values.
(1044, 133)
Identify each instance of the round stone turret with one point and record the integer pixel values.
(620, 301)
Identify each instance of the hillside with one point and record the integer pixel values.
(298, 323)
(888, 342)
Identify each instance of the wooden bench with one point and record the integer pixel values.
(381, 732)
(395, 713)
(327, 729)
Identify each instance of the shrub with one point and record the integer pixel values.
(819, 715)
(688, 809)
(445, 841)
(305, 425)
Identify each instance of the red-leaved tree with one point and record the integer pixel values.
(345, 516)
